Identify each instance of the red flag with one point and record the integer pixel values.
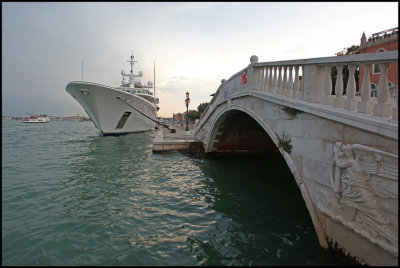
(244, 78)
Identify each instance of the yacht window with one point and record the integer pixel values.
(123, 119)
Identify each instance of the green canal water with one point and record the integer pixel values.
(71, 197)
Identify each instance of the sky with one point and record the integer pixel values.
(194, 45)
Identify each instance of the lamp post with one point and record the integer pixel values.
(187, 101)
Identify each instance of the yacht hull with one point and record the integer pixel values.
(114, 111)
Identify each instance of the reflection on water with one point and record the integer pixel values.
(264, 219)
(90, 200)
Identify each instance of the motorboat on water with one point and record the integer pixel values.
(128, 108)
(33, 118)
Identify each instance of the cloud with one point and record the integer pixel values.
(194, 44)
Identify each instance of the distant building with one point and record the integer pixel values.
(380, 42)
(181, 117)
(69, 118)
(177, 118)
(166, 120)
(6, 117)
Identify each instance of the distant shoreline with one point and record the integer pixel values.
(53, 118)
(69, 118)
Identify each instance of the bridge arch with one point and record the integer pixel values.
(221, 116)
(230, 112)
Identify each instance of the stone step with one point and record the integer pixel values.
(177, 141)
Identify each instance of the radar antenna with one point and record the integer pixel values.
(132, 62)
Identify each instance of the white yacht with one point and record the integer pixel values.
(130, 107)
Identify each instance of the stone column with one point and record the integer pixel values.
(279, 83)
(327, 97)
(262, 79)
(338, 101)
(395, 110)
(284, 82)
(296, 85)
(313, 77)
(350, 102)
(253, 74)
(365, 106)
(274, 80)
(267, 76)
(300, 92)
(289, 92)
(383, 108)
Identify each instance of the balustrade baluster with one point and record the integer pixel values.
(262, 78)
(289, 90)
(279, 85)
(338, 101)
(275, 80)
(285, 81)
(300, 92)
(265, 88)
(296, 85)
(271, 79)
(267, 75)
(383, 107)
(365, 105)
(395, 110)
(350, 102)
(327, 97)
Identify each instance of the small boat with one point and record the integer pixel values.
(127, 108)
(33, 118)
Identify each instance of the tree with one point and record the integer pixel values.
(202, 107)
(193, 115)
(354, 49)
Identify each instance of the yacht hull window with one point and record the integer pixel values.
(123, 119)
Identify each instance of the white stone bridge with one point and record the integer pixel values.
(341, 148)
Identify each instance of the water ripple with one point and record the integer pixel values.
(70, 197)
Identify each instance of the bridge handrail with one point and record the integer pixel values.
(381, 57)
(315, 85)
(389, 56)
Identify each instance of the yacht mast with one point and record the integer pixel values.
(154, 88)
(131, 62)
(131, 76)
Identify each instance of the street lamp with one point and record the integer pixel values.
(187, 101)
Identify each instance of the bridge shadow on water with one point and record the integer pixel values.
(266, 220)
(255, 214)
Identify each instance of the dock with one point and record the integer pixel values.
(166, 141)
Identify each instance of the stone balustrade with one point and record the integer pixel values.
(310, 80)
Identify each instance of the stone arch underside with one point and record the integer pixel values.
(238, 132)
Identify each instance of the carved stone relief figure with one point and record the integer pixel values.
(360, 175)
